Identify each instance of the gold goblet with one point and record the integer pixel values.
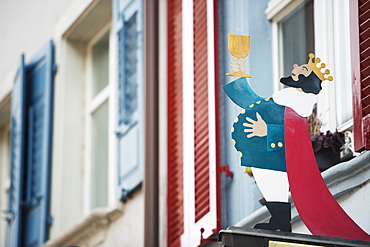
(239, 46)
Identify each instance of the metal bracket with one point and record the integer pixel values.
(226, 170)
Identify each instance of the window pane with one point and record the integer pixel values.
(100, 57)
(99, 156)
(296, 37)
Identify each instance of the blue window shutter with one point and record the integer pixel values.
(29, 198)
(130, 132)
(14, 213)
(39, 112)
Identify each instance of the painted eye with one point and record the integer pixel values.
(304, 68)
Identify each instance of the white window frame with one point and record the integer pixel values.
(92, 103)
(327, 44)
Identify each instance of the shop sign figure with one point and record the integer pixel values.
(272, 137)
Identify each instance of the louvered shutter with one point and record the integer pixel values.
(200, 167)
(31, 139)
(201, 118)
(360, 43)
(175, 220)
(128, 23)
(14, 213)
(39, 112)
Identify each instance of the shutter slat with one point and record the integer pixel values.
(364, 26)
(202, 160)
(365, 72)
(364, 12)
(201, 113)
(361, 3)
(202, 197)
(366, 110)
(365, 54)
(200, 45)
(366, 87)
(201, 91)
(199, 7)
(201, 67)
(201, 146)
(366, 101)
(364, 38)
(202, 173)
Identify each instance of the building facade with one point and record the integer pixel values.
(114, 127)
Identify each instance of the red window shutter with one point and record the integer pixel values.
(175, 210)
(201, 121)
(200, 177)
(360, 45)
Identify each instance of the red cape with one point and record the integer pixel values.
(318, 209)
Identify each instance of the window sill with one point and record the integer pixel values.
(90, 230)
(340, 179)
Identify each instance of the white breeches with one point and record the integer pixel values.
(273, 185)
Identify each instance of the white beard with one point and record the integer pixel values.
(301, 102)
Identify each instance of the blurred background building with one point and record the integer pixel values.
(115, 130)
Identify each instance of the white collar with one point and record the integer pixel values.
(302, 103)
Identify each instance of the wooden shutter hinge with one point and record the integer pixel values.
(226, 170)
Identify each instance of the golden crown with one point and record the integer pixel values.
(317, 70)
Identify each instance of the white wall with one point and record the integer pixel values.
(128, 230)
(25, 27)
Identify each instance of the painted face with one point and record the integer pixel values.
(300, 70)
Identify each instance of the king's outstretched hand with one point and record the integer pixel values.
(255, 128)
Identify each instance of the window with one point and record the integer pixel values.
(292, 35)
(296, 37)
(98, 95)
(332, 44)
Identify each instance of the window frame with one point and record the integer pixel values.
(92, 103)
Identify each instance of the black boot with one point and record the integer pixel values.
(280, 217)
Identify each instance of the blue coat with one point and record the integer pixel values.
(266, 152)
